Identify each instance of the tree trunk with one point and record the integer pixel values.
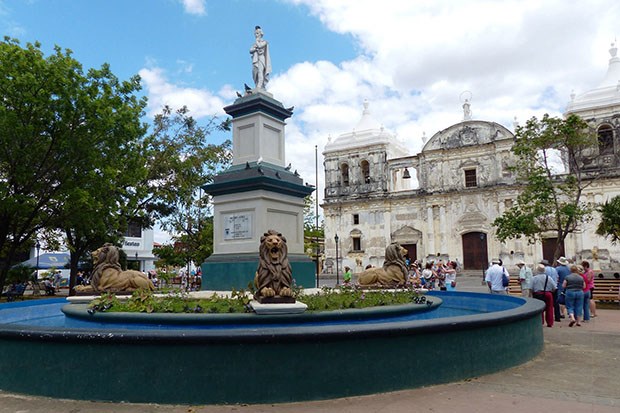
(74, 261)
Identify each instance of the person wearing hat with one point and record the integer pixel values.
(494, 276)
(542, 288)
(563, 270)
(525, 279)
(428, 276)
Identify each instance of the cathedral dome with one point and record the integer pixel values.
(367, 132)
(606, 94)
(468, 133)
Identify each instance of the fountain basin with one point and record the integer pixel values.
(280, 362)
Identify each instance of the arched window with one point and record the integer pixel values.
(344, 174)
(365, 171)
(605, 140)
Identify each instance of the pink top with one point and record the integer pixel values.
(588, 277)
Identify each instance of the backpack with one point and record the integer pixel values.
(505, 279)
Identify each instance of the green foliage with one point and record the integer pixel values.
(168, 257)
(178, 302)
(313, 236)
(68, 139)
(609, 226)
(20, 274)
(180, 161)
(548, 201)
(78, 163)
(195, 246)
(172, 301)
(351, 297)
(103, 303)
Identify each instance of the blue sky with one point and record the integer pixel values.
(411, 59)
(201, 50)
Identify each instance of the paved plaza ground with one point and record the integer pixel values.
(578, 371)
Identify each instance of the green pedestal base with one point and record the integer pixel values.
(225, 272)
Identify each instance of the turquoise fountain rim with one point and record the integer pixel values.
(523, 309)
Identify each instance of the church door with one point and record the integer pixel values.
(548, 246)
(412, 251)
(475, 256)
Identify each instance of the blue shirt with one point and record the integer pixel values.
(562, 271)
(551, 272)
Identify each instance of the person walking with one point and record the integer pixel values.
(525, 279)
(589, 307)
(573, 286)
(543, 287)
(494, 277)
(563, 270)
(551, 272)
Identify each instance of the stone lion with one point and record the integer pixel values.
(274, 275)
(394, 271)
(108, 275)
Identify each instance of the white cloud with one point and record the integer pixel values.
(198, 7)
(161, 92)
(518, 58)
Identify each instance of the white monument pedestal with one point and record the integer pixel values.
(256, 194)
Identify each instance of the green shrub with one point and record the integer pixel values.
(176, 301)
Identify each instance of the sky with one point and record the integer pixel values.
(414, 60)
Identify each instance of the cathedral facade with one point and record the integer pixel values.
(464, 182)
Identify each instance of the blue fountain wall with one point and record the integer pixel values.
(267, 365)
(222, 272)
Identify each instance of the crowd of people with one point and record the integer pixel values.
(566, 289)
(189, 281)
(433, 275)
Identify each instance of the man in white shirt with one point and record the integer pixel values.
(494, 277)
(525, 279)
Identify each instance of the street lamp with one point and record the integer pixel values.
(482, 237)
(38, 247)
(337, 268)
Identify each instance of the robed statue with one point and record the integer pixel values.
(261, 63)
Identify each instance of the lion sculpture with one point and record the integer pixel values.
(108, 275)
(274, 275)
(394, 271)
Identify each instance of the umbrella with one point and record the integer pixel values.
(48, 260)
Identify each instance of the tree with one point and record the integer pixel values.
(100, 197)
(549, 202)
(181, 160)
(55, 124)
(610, 220)
(313, 235)
(168, 256)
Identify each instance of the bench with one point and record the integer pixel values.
(17, 291)
(606, 289)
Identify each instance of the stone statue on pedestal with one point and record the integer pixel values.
(274, 276)
(261, 62)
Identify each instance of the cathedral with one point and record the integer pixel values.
(463, 183)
